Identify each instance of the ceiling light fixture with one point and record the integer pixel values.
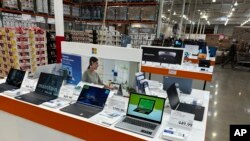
(174, 13)
(236, 3)
(233, 9)
(213, 0)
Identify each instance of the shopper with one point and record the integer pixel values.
(90, 75)
(231, 55)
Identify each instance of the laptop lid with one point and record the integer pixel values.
(173, 97)
(184, 84)
(147, 104)
(93, 96)
(154, 116)
(117, 88)
(49, 84)
(45, 69)
(15, 77)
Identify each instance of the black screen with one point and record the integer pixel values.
(93, 96)
(49, 84)
(173, 96)
(162, 55)
(15, 77)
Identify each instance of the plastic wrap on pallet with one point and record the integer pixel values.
(148, 13)
(134, 13)
(121, 13)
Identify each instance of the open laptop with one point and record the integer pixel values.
(184, 84)
(117, 88)
(14, 80)
(175, 104)
(90, 102)
(145, 106)
(47, 88)
(204, 63)
(46, 69)
(143, 123)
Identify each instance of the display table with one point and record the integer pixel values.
(195, 60)
(24, 117)
(182, 71)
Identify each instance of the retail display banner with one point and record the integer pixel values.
(72, 64)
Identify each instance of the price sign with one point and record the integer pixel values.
(182, 119)
(172, 72)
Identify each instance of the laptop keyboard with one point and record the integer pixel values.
(140, 123)
(40, 97)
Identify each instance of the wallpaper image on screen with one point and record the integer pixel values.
(15, 77)
(167, 57)
(49, 84)
(93, 96)
(146, 107)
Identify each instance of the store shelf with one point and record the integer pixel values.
(116, 21)
(25, 12)
(119, 3)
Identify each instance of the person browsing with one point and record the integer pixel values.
(90, 75)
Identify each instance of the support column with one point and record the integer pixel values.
(204, 29)
(201, 28)
(182, 13)
(59, 25)
(171, 11)
(197, 29)
(193, 25)
(216, 29)
(159, 19)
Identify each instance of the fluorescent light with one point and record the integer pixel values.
(174, 13)
(233, 9)
(226, 22)
(213, 0)
(236, 3)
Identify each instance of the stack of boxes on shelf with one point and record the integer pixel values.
(22, 48)
(27, 5)
(80, 36)
(138, 39)
(109, 37)
(13, 4)
(92, 13)
(66, 10)
(42, 6)
(52, 11)
(51, 47)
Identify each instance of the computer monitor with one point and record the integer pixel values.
(163, 55)
(212, 51)
(177, 43)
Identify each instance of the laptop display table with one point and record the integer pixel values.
(45, 121)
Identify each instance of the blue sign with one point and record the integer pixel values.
(73, 65)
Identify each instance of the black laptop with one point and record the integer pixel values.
(14, 80)
(145, 106)
(204, 63)
(90, 102)
(47, 88)
(175, 104)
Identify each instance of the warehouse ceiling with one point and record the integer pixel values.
(219, 12)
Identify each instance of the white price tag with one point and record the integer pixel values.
(26, 17)
(182, 119)
(40, 19)
(51, 20)
(172, 72)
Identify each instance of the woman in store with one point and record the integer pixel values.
(91, 76)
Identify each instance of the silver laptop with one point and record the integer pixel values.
(144, 114)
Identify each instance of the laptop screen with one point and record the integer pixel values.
(153, 107)
(147, 104)
(49, 84)
(93, 96)
(15, 77)
(173, 97)
(185, 85)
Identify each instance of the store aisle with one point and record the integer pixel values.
(229, 102)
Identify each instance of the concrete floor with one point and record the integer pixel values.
(229, 102)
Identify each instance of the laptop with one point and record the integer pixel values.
(204, 63)
(145, 106)
(14, 80)
(45, 68)
(184, 84)
(147, 122)
(90, 102)
(117, 88)
(175, 104)
(47, 88)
